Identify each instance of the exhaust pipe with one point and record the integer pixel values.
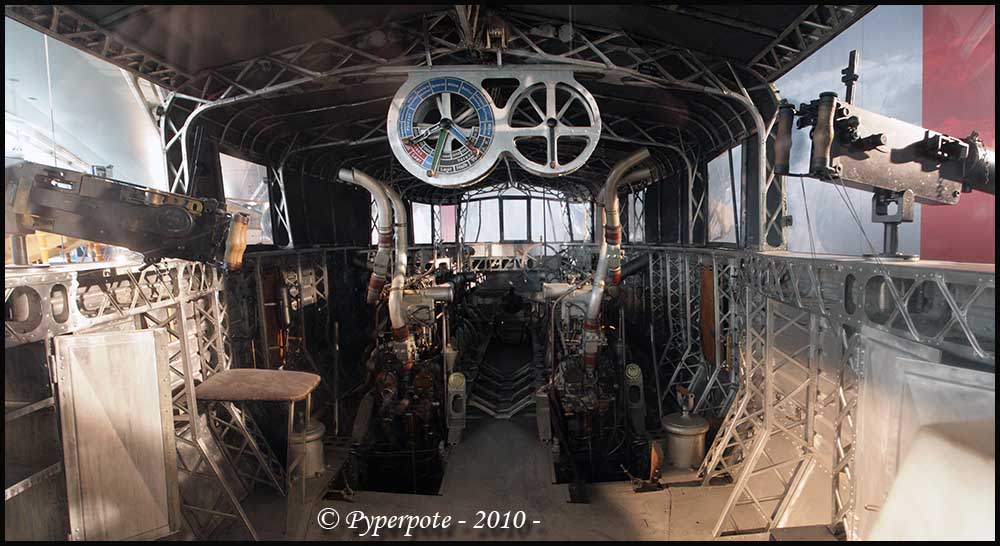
(391, 214)
(405, 348)
(383, 257)
(609, 252)
(613, 227)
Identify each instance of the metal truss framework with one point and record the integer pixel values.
(786, 322)
(720, 109)
(328, 60)
(658, 304)
(697, 203)
(845, 435)
(635, 212)
(721, 115)
(788, 326)
(464, 28)
(197, 330)
(674, 292)
(773, 213)
(300, 285)
(771, 475)
(280, 203)
(800, 372)
(809, 32)
(72, 28)
(302, 274)
(778, 309)
(747, 408)
(794, 333)
(186, 300)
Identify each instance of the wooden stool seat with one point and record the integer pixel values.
(249, 384)
(241, 384)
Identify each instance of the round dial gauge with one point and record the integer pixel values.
(444, 129)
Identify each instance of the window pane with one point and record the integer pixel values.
(447, 227)
(555, 221)
(515, 219)
(637, 216)
(467, 221)
(579, 217)
(482, 222)
(537, 219)
(721, 223)
(490, 229)
(246, 189)
(422, 223)
(91, 117)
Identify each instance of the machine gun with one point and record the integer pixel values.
(900, 163)
(154, 223)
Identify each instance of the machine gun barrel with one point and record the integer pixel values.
(873, 152)
(154, 223)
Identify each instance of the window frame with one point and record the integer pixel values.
(527, 210)
(735, 179)
(590, 222)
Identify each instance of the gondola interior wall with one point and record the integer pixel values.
(578, 272)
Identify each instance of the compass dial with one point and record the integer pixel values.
(445, 127)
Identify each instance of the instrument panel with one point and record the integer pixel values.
(446, 128)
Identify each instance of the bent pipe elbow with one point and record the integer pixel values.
(613, 228)
(387, 199)
(608, 202)
(383, 255)
(400, 328)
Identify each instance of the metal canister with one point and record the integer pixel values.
(685, 439)
(315, 461)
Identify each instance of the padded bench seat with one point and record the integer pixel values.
(240, 384)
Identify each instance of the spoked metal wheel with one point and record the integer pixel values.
(555, 126)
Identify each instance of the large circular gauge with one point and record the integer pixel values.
(446, 130)
(444, 127)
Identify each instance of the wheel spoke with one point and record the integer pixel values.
(455, 134)
(444, 105)
(566, 130)
(448, 139)
(534, 105)
(553, 151)
(550, 100)
(464, 116)
(539, 130)
(565, 107)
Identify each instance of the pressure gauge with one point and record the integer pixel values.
(444, 127)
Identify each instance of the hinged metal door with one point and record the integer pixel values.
(118, 435)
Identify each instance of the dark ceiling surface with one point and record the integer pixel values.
(736, 32)
(208, 52)
(196, 37)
